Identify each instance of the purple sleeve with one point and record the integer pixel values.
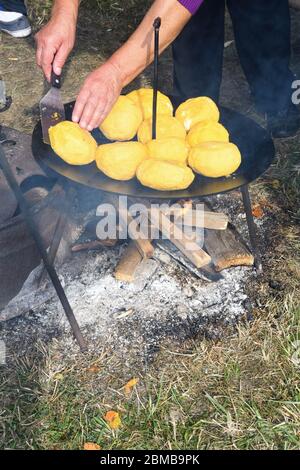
(191, 5)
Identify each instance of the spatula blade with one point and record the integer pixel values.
(52, 111)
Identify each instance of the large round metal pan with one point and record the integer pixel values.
(254, 142)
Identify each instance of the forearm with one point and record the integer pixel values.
(67, 8)
(138, 52)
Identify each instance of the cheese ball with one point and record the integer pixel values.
(197, 110)
(207, 131)
(123, 121)
(72, 144)
(166, 126)
(169, 149)
(164, 176)
(144, 99)
(215, 159)
(120, 160)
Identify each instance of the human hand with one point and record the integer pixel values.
(97, 96)
(54, 43)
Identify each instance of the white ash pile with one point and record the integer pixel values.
(132, 318)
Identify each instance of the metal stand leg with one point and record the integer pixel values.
(43, 252)
(59, 229)
(252, 228)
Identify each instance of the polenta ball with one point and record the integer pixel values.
(215, 159)
(123, 121)
(72, 144)
(196, 110)
(166, 126)
(207, 131)
(164, 176)
(120, 160)
(144, 99)
(169, 149)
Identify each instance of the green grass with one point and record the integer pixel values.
(242, 393)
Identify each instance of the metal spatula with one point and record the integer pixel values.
(51, 107)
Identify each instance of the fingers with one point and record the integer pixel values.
(38, 56)
(90, 109)
(60, 59)
(96, 119)
(97, 97)
(80, 104)
(87, 113)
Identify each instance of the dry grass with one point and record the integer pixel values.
(241, 393)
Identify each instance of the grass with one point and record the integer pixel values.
(241, 393)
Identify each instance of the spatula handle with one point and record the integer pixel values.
(55, 80)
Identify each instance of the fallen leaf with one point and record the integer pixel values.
(129, 386)
(91, 446)
(59, 377)
(93, 369)
(113, 419)
(257, 212)
(275, 184)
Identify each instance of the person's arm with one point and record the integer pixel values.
(103, 86)
(56, 40)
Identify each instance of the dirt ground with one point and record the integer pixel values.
(99, 34)
(250, 395)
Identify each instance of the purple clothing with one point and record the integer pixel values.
(191, 5)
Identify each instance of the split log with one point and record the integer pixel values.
(187, 245)
(226, 249)
(206, 272)
(144, 245)
(210, 220)
(128, 264)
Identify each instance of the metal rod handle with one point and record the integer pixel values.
(156, 26)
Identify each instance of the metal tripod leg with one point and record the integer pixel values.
(59, 229)
(12, 182)
(252, 228)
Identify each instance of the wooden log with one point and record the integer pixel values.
(144, 245)
(187, 245)
(128, 264)
(210, 220)
(206, 272)
(226, 249)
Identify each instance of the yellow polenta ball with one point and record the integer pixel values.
(144, 98)
(169, 149)
(166, 126)
(207, 131)
(123, 121)
(74, 145)
(164, 176)
(215, 159)
(196, 110)
(120, 160)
